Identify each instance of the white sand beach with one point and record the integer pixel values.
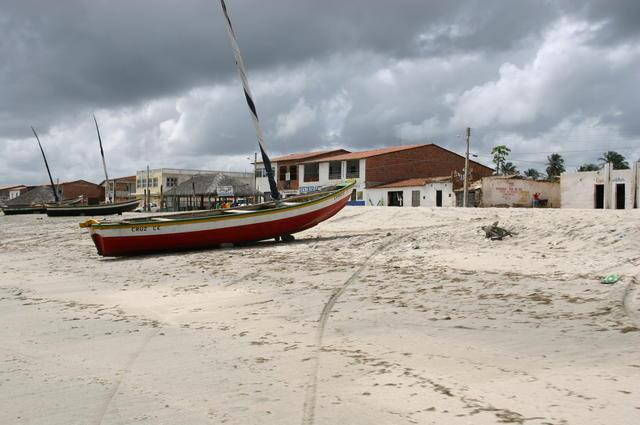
(377, 316)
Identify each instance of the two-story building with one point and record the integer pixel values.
(286, 169)
(125, 188)
(377, 167)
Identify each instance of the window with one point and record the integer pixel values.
(311, 172)
(335, 170)
(282, 173)
(293, 171)
(172, 182)
(353, 169)
(261, 172)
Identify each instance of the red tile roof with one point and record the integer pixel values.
(306, 155)
(414, 182)
(366, 154)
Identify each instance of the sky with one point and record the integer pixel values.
(537, 76)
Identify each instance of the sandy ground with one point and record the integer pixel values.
(379, 315)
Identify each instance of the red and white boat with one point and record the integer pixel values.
(204, 229)
(278, 219)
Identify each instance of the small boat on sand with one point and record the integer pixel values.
(37, 208)
(24, 209)
(91, 210)
(106, 208)
(202, 229)
(278, 219)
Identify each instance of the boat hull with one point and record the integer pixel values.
(23, 210)
(120, 240)
(92, 210)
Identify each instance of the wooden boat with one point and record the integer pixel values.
(37, 208)
(278, 219)
(33, 208)
(91, 210)
(24, 209)
(106, 208)
(211, 228)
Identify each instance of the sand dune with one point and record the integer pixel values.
(379, 315)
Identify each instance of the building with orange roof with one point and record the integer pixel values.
(416, 192)
(286, 169)
(306, 172)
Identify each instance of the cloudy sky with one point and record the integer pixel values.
(538, 76)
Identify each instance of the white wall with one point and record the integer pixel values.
(578, 189)
(500, 191)
(379, 197)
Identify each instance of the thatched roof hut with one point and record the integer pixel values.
(202, 190)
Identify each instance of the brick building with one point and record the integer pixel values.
(92, 193)
(373, 168)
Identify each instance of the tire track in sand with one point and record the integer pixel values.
(123, 372)
(309, 408)
(630, 300)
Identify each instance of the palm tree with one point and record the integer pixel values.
(509, 169)
(589, 167)
(555, 165)
(500, 154)
(532, 173)
(618, 161)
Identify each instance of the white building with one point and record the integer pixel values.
(302, 173)
(432, 192)
(605, 188)
(288, 171)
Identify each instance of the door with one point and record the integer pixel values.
(415, 198)
(394, 199)
(620, 190)
(438, 198)
(599, 196)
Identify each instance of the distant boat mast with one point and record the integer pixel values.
(53, 187)
(104, 165)
(252, 107)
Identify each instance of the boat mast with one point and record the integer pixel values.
(53, 187)
(252, 107)
(104, 165)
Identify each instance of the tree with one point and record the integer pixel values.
(618, 161)
(500, 154)
(532, 173)
(589, 167)
(555, 165)
(509, 169)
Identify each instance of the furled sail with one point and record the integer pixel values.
(104, 165)
(53, 186)
(251, 104)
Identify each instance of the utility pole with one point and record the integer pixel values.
(466, 170)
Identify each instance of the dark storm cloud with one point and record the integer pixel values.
(357, 74)
(90, 54)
